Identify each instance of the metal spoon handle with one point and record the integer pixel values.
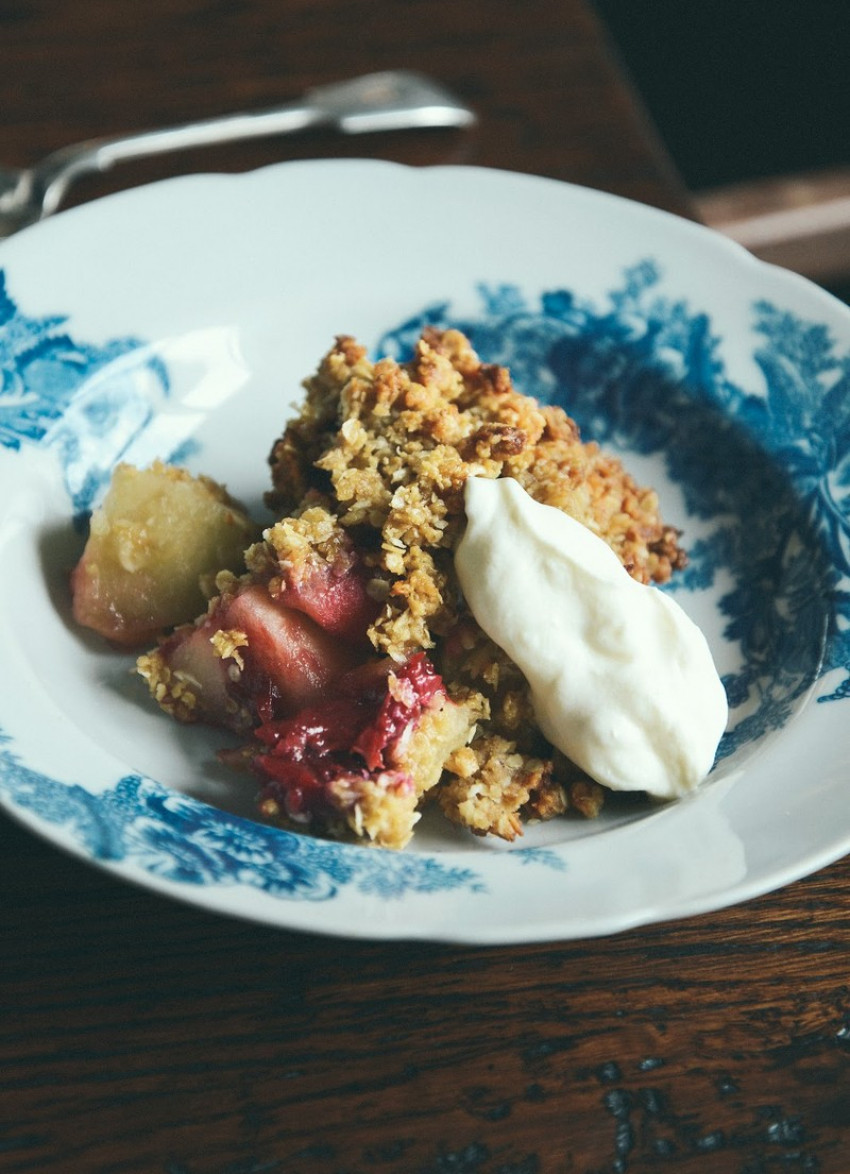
(394, 100)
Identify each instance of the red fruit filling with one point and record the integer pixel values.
(333, 594)
(357, 733)
(281, 660)
(289, 660)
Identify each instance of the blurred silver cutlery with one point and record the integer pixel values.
(391, 100)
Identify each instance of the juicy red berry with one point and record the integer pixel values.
(416, 686)
(334, 595)
(350, 735)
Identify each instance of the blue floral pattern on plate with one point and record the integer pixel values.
(181, 839)
(641, 373)
(645, 374)
(89, 402)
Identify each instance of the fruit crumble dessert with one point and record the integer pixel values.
(343, 654)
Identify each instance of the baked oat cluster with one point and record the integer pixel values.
(344, 657)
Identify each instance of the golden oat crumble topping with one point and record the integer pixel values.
(380, 453)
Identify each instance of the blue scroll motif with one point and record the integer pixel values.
(88, 402)
(771, 472)
(181, 839)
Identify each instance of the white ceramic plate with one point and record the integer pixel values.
(178, 320)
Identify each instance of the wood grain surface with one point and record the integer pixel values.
(142, 1036)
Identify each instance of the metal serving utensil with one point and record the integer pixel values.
(392, 100)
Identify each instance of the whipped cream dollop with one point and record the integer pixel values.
(622, 680)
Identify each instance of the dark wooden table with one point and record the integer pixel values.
(138, 1035)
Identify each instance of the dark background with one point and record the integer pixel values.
(740, 90)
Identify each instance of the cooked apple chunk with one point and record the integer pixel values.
(158, 532)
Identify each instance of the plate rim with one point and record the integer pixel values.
(80, 215)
